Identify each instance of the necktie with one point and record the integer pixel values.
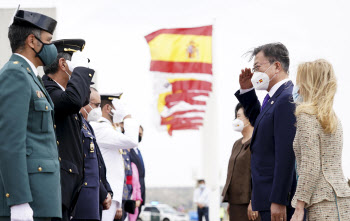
(266, 99)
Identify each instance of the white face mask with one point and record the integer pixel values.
(69, 76)
(202, 186)
(261, 80)
(238, 125)
(94, 114)
(115, 116)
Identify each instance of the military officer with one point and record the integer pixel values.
(29, 168)
(111, 143)
(96, 193)
(67, 81)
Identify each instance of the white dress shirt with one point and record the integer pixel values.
(201, 196)
(110, 142)
(30, 64)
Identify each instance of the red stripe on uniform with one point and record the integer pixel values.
(181, 67)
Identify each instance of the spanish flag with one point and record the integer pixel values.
(181, 50)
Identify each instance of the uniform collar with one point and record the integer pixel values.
(276, 86)
(30, 64)
(103, 119)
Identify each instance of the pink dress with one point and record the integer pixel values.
(136, 191)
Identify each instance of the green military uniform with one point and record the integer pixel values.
(29, 166)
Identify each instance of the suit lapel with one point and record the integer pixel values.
(31, 73)
(269, 104)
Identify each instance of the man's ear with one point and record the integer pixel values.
(278, 66)
(30, 40)
(62, 64)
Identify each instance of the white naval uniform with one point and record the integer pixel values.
(110, 142)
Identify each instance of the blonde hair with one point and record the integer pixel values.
(318, 85)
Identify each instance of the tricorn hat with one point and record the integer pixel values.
(37, 20)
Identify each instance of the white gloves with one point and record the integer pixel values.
(22, 212)
(78, 60)
(119, 113)
(131, 128)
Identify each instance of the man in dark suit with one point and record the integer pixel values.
(68, 81)
(272, 156)
(136, 158)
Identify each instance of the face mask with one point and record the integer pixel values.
(94, 114)
(140, 139)
(202, 186)
(296, 96)
(261, 80)
(238, 125)
(69, 76)
(47, 53)
(114, 115)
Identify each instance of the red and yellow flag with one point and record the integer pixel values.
(181, 50)
(186, 55)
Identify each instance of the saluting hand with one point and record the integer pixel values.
(108, 202)
(245, 78)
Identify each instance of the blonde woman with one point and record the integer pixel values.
(322, 188)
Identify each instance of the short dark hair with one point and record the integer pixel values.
(201, 181)
(18, 34)
(53, 68)
(273, 52)
(239, 106)
(105, 102)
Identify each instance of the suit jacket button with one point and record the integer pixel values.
(58, 143)
(40, 169)
(100, 181)
(70, 170)
(54, 126)
(76, 117)
(59, 159)
(46, 107)
(85, 184)
(90, 75)
(7, 194)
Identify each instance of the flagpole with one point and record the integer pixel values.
(210, 142)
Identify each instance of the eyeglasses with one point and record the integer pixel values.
(96, 104)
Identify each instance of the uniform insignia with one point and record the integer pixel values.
(15, 62)
(92, 147)
(38, 94)
(28, 70)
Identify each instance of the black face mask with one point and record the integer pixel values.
(140, 138)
